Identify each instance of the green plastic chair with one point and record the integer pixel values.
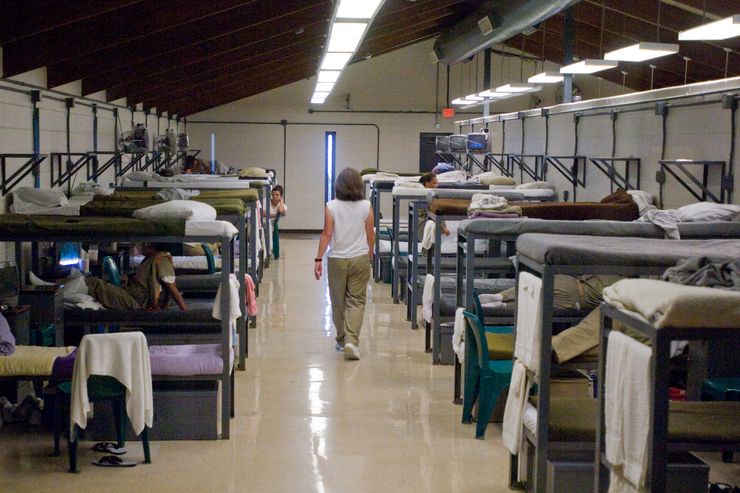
(210, 260)
(99, 388)
(276, 238)
(111, 270)
(500, 338)
(485, 379)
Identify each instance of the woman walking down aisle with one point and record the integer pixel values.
(348, 230)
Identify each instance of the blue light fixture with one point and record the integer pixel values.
(69, 253)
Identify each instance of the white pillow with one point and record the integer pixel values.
(190, 210)
(706, 212)
(29, 200)
(535, 185)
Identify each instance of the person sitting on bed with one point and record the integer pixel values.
(277, 202)
(429, 180)
(148, 288)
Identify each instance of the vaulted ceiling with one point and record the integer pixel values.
(185, 56)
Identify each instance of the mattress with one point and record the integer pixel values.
(110, 208)
(247, 195)
(604, 250)
(515, 227)
(198, 185)
(198, 314)
(186, 360)
(386, 246)
(409, 192)
(448, 306)
(32, 361)
(71, 209)
(566, 211)
(467, 194)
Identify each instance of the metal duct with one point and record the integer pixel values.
(508, 18)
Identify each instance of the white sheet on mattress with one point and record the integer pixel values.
(210, 228)
(71, 209)
(386, 246)
(409, 192)
(199, 185)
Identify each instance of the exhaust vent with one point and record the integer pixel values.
(485, 25)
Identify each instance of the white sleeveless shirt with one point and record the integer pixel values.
(349, 238)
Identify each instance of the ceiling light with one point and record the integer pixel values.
(492, 94)
(324, 86)
(588, 66)
(518, 87)
(328, 75)
(357, 9)
(721, 29)
(346, 36)
(473, 97)
(335, 61)
(318, 99)
(546, 78)
(642, 51)
(465, 101)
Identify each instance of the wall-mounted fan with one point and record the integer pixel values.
(134, 141)
(183, 142)
(166, 142)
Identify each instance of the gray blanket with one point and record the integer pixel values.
(703, 271)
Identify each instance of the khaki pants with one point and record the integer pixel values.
(110, 296)
(348, 278)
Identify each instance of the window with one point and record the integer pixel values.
(330, 153)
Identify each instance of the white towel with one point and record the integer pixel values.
(234, 310)
(512, 434)
(487, 201)
(427, 239)
(458, 336)
(123, 356)
(529, 321)
(427, 298)
(627, 411)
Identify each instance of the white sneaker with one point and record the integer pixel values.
(351, 352)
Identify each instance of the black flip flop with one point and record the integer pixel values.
(113, 461)
(109, 448)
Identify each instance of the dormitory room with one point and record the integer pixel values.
(369, 246)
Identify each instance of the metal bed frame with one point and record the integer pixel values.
(678, 169)
(227, 267)
(658, 442)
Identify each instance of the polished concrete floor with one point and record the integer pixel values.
(306, 419)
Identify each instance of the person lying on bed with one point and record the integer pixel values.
(196, 166)
(429, 180)
(148, 288)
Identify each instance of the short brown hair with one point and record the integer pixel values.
(427, 178)
(349, 185)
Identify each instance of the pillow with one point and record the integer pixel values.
(189, 210)
(29, 200)
(253, 172)
(535, 185)
(644, 200)
(706, 212)
(490, 178)
(618, 197)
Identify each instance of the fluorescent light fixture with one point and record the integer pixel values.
(492, 94)
(721, 29)
(465, 101)
(346, 36)
(357, 9)
(321, 94)
(329, 75)
(317, 100)
(335, 61)
(588, 66)
(518, 87)
(642, 51)
(324, 86)
(546, 78)
(473, 97)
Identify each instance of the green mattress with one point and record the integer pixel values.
(19, 226)
(125, 208)
(248, 196)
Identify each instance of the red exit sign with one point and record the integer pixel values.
(448, 112)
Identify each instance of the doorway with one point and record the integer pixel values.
(427, 148)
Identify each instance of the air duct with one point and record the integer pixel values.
(506, 18)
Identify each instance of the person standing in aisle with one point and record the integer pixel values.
(349, 231)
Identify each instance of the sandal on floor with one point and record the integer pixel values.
(109, 448)
(113, 461)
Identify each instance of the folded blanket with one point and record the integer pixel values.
(484, 214)
(665, 304)
(702, 271)
(457, 175)
(481, 201)
(7, 340)
(177, 194)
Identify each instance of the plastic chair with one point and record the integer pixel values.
(111, 270)
(276, 238)
(500, 338)
(485, 379)
(99, 388)
(210, 260)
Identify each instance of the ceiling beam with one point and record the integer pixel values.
(218, 88)
(72, 40)
(283, 58)
(312, 37)
(198, 39)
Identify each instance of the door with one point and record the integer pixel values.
(427, 157)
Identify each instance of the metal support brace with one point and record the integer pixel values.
(35, 99)
(698, 189)
(630, 180)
